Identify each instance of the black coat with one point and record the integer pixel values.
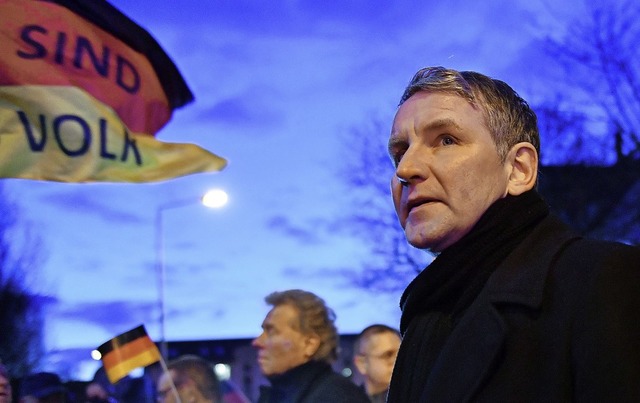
(313, 382)
(558, 321)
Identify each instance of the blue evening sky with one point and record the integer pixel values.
(277, 85)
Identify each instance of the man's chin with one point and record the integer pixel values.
(431, 245)
(421, 241)
(268, 372)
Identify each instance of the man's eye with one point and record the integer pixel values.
(388, 355)
(395, 158)
(447, 141)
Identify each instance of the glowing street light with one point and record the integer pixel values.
(214, 198)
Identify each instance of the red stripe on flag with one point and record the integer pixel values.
(125, 358)
(46, 44)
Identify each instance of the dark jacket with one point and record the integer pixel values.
(313, 382)
(558, 321)
(378, 397)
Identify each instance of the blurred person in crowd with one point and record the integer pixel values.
(43, 387)
(375, 351)
(96, 393)
(296, 348)
(515, 306)
(6, 392)
(149, 381)
(126, 390)
(231, 393)
(194, 381)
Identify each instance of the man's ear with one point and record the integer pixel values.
(522, 162)
(358, 361)
(312, 344)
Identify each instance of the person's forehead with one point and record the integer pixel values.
(427, 103)
(383, 339)
(280, 316)
(430, 113)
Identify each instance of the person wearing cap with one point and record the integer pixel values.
(43, 387)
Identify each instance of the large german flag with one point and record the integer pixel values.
(83, 92)
(128, 351)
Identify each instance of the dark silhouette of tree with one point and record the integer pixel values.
(367, 171)
(595, 183)
(600, 61)
(20, 313)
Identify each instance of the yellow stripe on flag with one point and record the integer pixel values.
(142, 359)
(63, 134)
(121, 370)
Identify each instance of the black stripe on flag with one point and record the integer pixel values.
(122, 339)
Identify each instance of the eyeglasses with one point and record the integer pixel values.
(389, 355)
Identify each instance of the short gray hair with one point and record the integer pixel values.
(508, 117)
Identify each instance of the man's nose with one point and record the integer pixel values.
(257, 343)
(411, 167)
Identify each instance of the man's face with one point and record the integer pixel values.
(5, 386)
(166, 393)
(281, 346)
(448, 171)
(376, 359)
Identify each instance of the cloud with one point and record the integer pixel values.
(113, 316)
(284, 225)
(242, 111)
(80, 201)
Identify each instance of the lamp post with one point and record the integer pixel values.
(213, 199)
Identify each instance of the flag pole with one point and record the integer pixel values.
(174, 389)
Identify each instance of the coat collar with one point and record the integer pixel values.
(293, 384)
(479, 336)
(520, 279)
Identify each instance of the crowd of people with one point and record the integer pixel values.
(297, 368)
(295, 353)
(515, 307)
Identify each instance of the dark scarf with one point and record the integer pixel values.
(437, 298)
(294, 384)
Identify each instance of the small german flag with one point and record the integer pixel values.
(128, 351)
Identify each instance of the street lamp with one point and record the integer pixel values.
(214, 198)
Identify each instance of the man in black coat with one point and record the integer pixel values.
(299, 341)
(515, 307)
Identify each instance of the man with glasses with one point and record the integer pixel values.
(375, 351)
